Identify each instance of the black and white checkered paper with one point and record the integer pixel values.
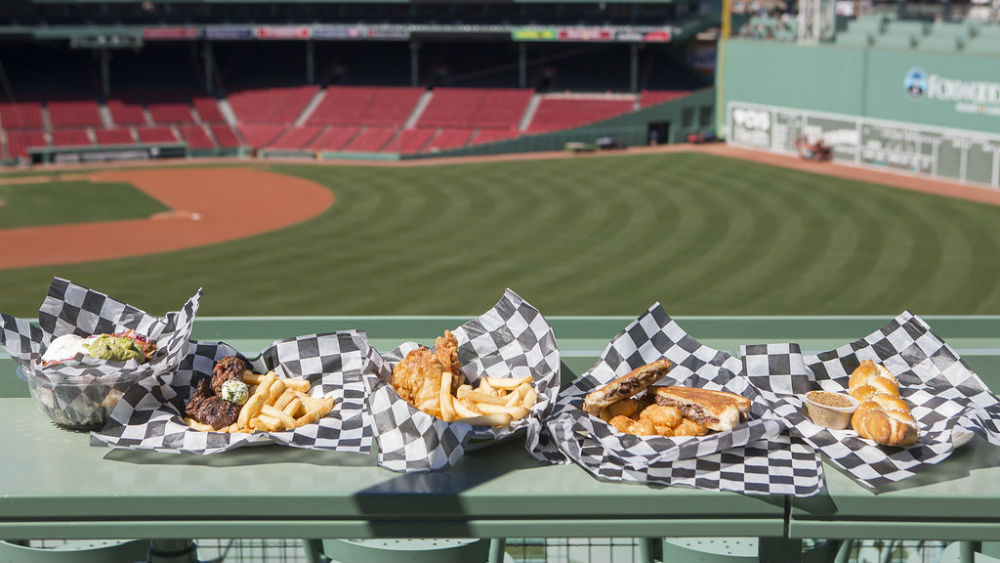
(947, 399)
(766, 460)
(512, 339)
(80, 392)
(149, 416)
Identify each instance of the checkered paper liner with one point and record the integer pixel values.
(947, 399)
(77, 392)
(783, 465)
(652, 336)
(149, 416)
(512, 339)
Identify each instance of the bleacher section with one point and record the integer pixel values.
(18, 142)
(21, 115)
(75, 113)
(156, 135)
(883, 32)
(195, 136)
(271, 105)
(170, 111)
(649, 98)
(70, 138)
(225, 136)
(359, 105)
(260, 136)
(372, 139)
(475, 108)
(208, 109)
(563, 113)
(127, 112)
(297, 138)
(117, 136)
(450, 139)
(334, 139)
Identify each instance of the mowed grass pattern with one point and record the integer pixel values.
(28, 205)
(704, 235)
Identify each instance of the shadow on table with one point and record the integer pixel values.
(252, 455)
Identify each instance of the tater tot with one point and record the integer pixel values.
(643, 428)
(626, 407)
(688, 427)
(621, 423)
(661, 416)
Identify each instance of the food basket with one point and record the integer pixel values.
(80, 393)
(512, 339)
(753, 457)
(948, 400)
(150, 415)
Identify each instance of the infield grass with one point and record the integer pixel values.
(704, 235)
(53, 203)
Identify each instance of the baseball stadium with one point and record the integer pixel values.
(761, 170)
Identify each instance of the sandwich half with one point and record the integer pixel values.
(626, 386)
(717, 410)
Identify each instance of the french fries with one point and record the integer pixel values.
(496, 402)
(276, 404)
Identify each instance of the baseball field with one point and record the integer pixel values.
(702, 234)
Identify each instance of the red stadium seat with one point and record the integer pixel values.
(371, 139)
(70, 138)
(156, 135)
(412, 140)
(655, 97)
(490, 136)
(260, 136)
(296, 138)
(271, 105)
(225, 136)
(391, 106)
(208, 109)
(334, 139)
(20, 140)
(168, 112)
(196, 137)
(119, 136)
(449, 139)
(501, 109)
(475, 108)
(127, 112)
(21, 115)
(76, 113)
(566, 113)
(357, 105)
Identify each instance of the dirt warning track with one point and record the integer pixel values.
(210, 205)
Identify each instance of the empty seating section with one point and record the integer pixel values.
(342, 105)
(259, 136)
(208, 109)
(334, 139)
(450, 139)
(297, 138)
(411, 141)
(564, 113)
(19, 141)
(225, 136)
(502, 109)
(271, 105)
(76, 113)
(491, 136)
(119, 136)
(372, 139)
(655, 97)
(156, 135)
(358, 105)
(391, 107)
(499, 108)
(127, 112)
(21, 115)
(70, 138)
(171, 111)
(195, 136)
(451, 107)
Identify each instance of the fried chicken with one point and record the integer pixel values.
(417, 378)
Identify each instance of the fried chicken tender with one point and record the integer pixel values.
(659, 415)
(417, 378)
(626, 407)
(688, 427)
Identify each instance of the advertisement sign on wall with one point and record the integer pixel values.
(283, 32)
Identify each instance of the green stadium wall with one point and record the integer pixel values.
(859, 82)
(917, 112)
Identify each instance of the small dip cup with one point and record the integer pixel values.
(832, 410)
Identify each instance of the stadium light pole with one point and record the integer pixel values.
(414, 63)
(310, 62)
(522, 65)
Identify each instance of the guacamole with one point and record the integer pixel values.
(117, 348)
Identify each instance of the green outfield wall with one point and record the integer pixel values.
(930, 113)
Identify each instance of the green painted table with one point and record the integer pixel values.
(54, 485)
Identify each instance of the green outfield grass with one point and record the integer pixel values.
(27, 205)
(704, 235)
